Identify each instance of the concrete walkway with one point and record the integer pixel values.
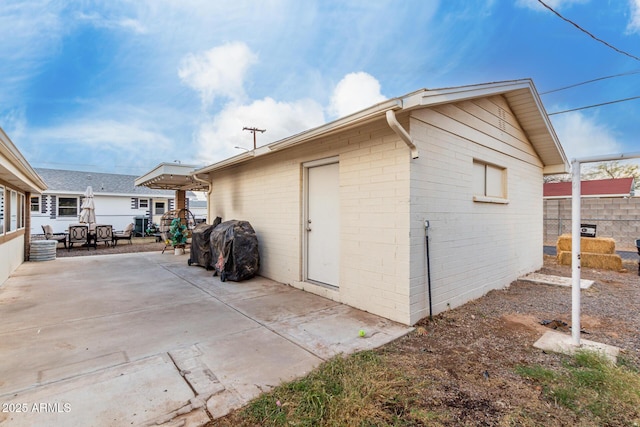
(144, 339)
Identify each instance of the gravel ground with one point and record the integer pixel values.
(138, 244)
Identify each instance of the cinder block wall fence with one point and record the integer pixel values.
(615, 217)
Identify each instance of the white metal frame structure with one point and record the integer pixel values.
(575, 234)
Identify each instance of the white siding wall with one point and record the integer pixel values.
(474, 247)
(11, 254)
(374, 222)
(112, 210)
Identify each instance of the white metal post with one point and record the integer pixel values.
(575, 234)
(575, 251)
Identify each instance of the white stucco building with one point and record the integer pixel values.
(18, 183)
(117, 199)
(340, 210)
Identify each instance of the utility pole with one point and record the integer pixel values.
(253, 130)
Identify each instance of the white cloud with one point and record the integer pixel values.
(217, 138)
(634, 20)
(100, 21)
(217, 72)
(555, 4)
(353, 93)
(582, 136)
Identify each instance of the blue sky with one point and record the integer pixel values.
(122, 85)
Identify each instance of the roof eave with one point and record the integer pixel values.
(356, 119)
(555, 163)
(20, 168)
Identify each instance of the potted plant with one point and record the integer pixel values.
(178, 234)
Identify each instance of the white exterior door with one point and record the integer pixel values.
(322, 225)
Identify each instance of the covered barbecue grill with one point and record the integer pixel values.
(234, 251)
(200, 244)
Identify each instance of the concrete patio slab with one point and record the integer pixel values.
(546, 279)
(558, 342)
(335, 330)
(93, 332)
(109, 397)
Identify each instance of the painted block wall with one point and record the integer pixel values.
(11, 254)
(615, 217)
(374, 202)
(474, 247)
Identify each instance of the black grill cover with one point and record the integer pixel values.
(234, 251)
(200, 247)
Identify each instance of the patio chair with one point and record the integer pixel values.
(103, 233)
(79, 234)
(125, 234)
(50, 235)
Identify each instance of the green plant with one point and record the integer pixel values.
(592, 386)
(178, 233)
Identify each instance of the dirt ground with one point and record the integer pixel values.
(469, 353)
(467, 356)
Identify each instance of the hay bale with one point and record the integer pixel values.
(591, 260)
(594, 245)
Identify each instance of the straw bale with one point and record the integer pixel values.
(591, 260)
(595, 245)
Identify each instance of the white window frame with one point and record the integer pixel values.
(37, 204)
(21, 210)
(13, 211)
(483, 190)
(155, 208)
(59, 206)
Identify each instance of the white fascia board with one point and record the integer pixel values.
(372, 113)
(164, 169)
(555, 169)
(454, 94)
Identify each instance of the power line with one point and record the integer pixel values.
(588, 33)
(591, 81)
(594, 105)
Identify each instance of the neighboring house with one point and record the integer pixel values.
(118, 201)
(199, 209)
(607, 203)
(340, 210)
(18, 182)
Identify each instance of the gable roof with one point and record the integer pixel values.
(76, 182)
(617, 187)
(521, 96)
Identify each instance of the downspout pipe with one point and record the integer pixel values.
(210, 184)
(209, 191)
(402, 133)
(426, 237)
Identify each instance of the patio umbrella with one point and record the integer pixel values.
(88, 213)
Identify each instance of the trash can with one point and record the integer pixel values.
(234, 251)
(141, 223)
